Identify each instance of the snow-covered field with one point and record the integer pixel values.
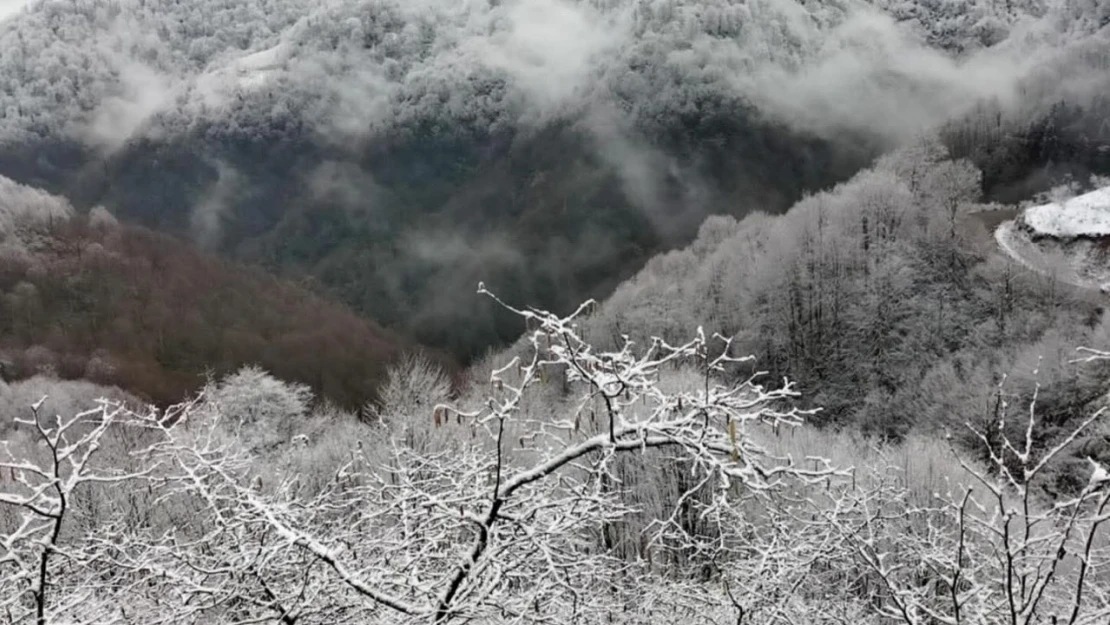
(1083, 215)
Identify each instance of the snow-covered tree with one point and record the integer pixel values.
(265, 408)
(650, 490)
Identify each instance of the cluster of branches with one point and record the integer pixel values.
(498, 512)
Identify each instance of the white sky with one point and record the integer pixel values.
(7, 7)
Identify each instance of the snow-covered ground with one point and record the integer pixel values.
(1083, 215)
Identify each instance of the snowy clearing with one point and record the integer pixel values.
(1083, 215)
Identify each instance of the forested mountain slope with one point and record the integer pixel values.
(888, 302)
(822, 396)
(400, 151)
(577, 484)
(84, 297)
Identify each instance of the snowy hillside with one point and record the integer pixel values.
(398, 151)
(22, 207)
(747, 352)
(107, 71)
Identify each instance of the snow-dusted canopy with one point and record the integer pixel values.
(104, 72)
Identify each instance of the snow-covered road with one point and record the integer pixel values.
(1068, 245)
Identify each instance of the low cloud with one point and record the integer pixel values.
(342, 183)
(11, 7)
(638, 165)
(353, 71)
(449, 249)
(140, 92)
(550, 50)
(871, 75)
(207, 218)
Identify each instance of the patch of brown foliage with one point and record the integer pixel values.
(125, 306)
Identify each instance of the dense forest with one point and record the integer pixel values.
(554, 311)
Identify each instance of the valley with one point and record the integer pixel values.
(420, 312)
